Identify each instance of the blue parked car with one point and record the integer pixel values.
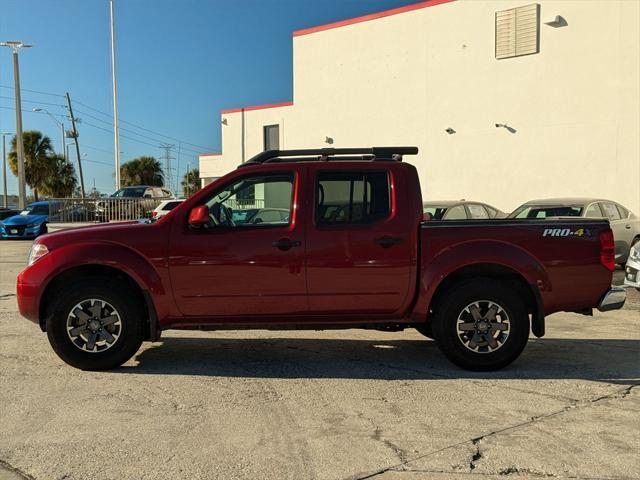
(29, 223)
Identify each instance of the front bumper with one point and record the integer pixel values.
(613, 300)
(10, 231)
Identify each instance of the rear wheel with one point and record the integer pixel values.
(481, 325)
(96, 324)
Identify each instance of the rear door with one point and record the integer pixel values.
(359, 247)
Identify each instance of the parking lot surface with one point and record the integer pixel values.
(321, 405)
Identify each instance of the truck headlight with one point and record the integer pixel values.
(634, 254)
(38, 250)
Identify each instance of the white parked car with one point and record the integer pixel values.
(632, 268)
(165, 207)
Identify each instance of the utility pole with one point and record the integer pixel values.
(15, 46)
(75, 137)
(4, 167)
(116, 132)
(178, 169)
(167, 162)
(186, 183)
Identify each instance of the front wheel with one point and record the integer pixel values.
(481, 325)
(96, 324)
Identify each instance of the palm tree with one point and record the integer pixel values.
(142, 171)
(62, 181)
(191, 182)
(37, 165)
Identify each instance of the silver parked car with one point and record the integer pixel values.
(460, 210)
(625, 225)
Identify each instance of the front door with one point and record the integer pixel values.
(249, 259)
(360, 256)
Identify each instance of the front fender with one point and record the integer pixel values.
(33, 280)
(485, 252)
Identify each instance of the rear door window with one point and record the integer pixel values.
(593, 211)
(344, 198)
(611, 211)
(477, 212)
(456, 213)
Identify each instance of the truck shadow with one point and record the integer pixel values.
(613, 361)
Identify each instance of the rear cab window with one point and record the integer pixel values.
(456, 213)
(350, 198)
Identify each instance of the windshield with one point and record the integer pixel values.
(436, 212)
(36, 210)
(130, 192)
(547, 211)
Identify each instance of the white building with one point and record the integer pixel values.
(561, 76)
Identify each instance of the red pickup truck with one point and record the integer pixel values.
(315, 239)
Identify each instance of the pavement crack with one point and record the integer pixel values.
(16, 470)
(618, 394)
(477, 455)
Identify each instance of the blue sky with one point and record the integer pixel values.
(179, 63)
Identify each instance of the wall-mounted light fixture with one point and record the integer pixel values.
(559, 21)
(507, 127)
(328, 140)
(224, 121)
(450, 131)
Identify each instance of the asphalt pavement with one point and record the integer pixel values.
(321, 405)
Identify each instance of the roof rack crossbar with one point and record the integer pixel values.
(372, 153)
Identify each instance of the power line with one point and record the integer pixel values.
(34, 91)
(24, 100)
(143, 128)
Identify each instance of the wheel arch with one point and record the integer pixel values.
(503, 273)
(48, 298)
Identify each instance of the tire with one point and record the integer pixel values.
(43, 229)
(120, 313)
(464, 337)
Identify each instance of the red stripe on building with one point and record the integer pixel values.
(258, 107)
(372, 16)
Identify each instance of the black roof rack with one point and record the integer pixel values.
(334, 154)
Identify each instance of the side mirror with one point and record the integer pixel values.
(147, 195)
(199, 216)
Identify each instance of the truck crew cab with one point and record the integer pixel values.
(317, 239)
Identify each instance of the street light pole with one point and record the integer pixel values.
(15, 46)
(116, 133)
(4, 167)
(60, 124)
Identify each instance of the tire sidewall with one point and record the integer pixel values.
(131, 318)
(445, 324)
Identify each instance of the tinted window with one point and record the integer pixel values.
(593, 211)
(492, 211)
(610, 210)
(170, 206)
(37, 210)
(477, 211)
(356, 197)
(532, 211)
(624, 213)
(436, 212)
(130, 192)
(456, 213)
(233, 206)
